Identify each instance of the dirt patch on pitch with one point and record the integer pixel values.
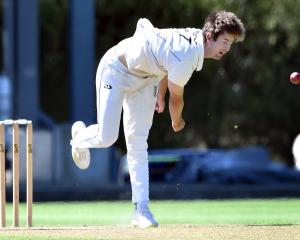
(164, 232)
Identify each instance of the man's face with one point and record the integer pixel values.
(220, 46)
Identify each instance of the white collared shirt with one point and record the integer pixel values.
(173, 52)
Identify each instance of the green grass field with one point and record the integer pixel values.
(84, 220)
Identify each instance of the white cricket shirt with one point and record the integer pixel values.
(173, 52)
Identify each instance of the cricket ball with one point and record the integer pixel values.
(295, 78)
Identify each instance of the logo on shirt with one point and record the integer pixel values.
(107, 86)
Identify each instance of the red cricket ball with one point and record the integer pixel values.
(295, 78)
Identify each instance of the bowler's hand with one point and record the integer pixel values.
(178, 126)
(160, 105)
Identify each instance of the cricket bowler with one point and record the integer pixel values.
(134, 76)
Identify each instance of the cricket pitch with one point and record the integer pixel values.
(163, 232)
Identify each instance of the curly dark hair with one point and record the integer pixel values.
(223, 21)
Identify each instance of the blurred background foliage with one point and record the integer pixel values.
(245, 99)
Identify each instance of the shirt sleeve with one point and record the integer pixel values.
(179, 73)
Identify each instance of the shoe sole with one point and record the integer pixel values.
(80, 164)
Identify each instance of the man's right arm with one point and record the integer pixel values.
(176, 104)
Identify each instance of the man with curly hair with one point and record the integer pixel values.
(134, 76)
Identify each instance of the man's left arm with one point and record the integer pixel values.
(176, 104)
(162, 89)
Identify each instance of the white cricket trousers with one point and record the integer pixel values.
(117, 89)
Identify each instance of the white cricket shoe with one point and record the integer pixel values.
(142, 216)
(81, 156)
